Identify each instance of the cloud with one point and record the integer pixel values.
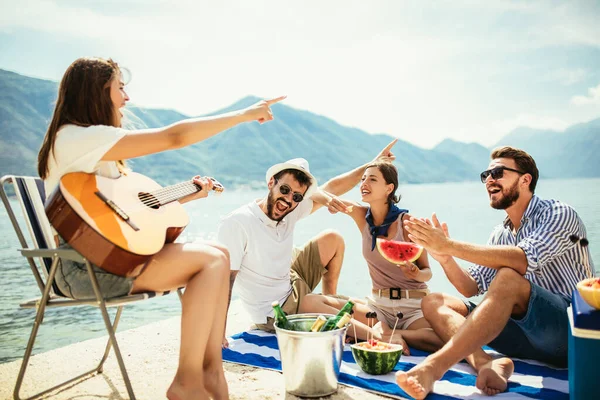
(80, 21)
(593, 97)
(566, 77)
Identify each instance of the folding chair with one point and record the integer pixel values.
(44, 256)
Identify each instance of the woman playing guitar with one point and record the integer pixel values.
(85, 135)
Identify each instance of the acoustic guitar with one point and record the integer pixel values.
(118, 224)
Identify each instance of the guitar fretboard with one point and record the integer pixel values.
(172, 193)
(175, 192)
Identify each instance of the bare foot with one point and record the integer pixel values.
(179, 392)
(418, 382)
(492, 377)
(215, 383)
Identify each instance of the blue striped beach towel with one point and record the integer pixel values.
(531, 380)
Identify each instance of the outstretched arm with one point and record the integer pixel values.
(460, 278)
(184, 133)
(344, 182)
(433, 238)
(336, 204)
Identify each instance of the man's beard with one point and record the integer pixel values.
(507, 199)
(271, 207)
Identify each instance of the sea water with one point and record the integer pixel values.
(464, 206)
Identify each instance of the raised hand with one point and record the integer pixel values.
(386, 154)
(261, 111)
(432, 235)
(335, 205)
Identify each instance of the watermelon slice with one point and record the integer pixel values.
(398, 252)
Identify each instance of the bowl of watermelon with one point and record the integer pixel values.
(375, 357)
(589, 289)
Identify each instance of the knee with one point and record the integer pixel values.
(431, 304)
(309, 303)
(223, 249)
(332, 238)
(508, 281)
(220, 259)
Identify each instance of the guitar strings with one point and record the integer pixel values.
(166, 195)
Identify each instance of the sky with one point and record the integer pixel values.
(467, 70)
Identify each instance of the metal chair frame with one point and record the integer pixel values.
(50, 298)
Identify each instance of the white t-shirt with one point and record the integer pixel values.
(261, 249)
(80, 149)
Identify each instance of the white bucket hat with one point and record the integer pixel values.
(297, 163)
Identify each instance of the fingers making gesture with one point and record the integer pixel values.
(386, 154)
(261, 111)
(432, 235)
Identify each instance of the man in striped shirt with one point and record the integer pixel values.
(527, 272)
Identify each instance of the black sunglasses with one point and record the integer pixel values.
(284, 189)
(497, 173)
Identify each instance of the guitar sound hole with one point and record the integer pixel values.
(149, 200)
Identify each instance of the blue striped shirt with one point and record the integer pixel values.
(554, 261)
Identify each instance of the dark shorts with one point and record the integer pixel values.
(73, 280)
(542, 334)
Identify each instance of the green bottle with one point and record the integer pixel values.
(346, 309)
(336, 322)
(343, 321)
(280, 319)
(331, 322)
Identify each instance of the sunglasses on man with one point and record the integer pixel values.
(284, 189)
(497, 173)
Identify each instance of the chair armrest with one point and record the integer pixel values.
(67, 254)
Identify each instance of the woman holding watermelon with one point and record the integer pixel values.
(398, 286)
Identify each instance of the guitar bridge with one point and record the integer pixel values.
(122, 214)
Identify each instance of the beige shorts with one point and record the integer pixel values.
(387, 310)
(305, 274)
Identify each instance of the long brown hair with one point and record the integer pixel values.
(83, 100)
(390, 175)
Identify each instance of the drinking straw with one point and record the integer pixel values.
(398, 316)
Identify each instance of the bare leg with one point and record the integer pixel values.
(508, 294)
(446, 315)
(316, 303)
(214, 377)
(418, 335)
(203, 269)
(331, 251)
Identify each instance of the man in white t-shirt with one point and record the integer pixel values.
(259, 237)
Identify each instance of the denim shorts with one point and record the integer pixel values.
(73, 280)
(543, 332)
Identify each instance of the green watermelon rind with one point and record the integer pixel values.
(381, 242)
(376, 362)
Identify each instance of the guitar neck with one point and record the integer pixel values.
(178, 191)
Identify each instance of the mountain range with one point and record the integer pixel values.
(240, 156)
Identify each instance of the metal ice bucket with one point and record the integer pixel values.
(310, 361)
